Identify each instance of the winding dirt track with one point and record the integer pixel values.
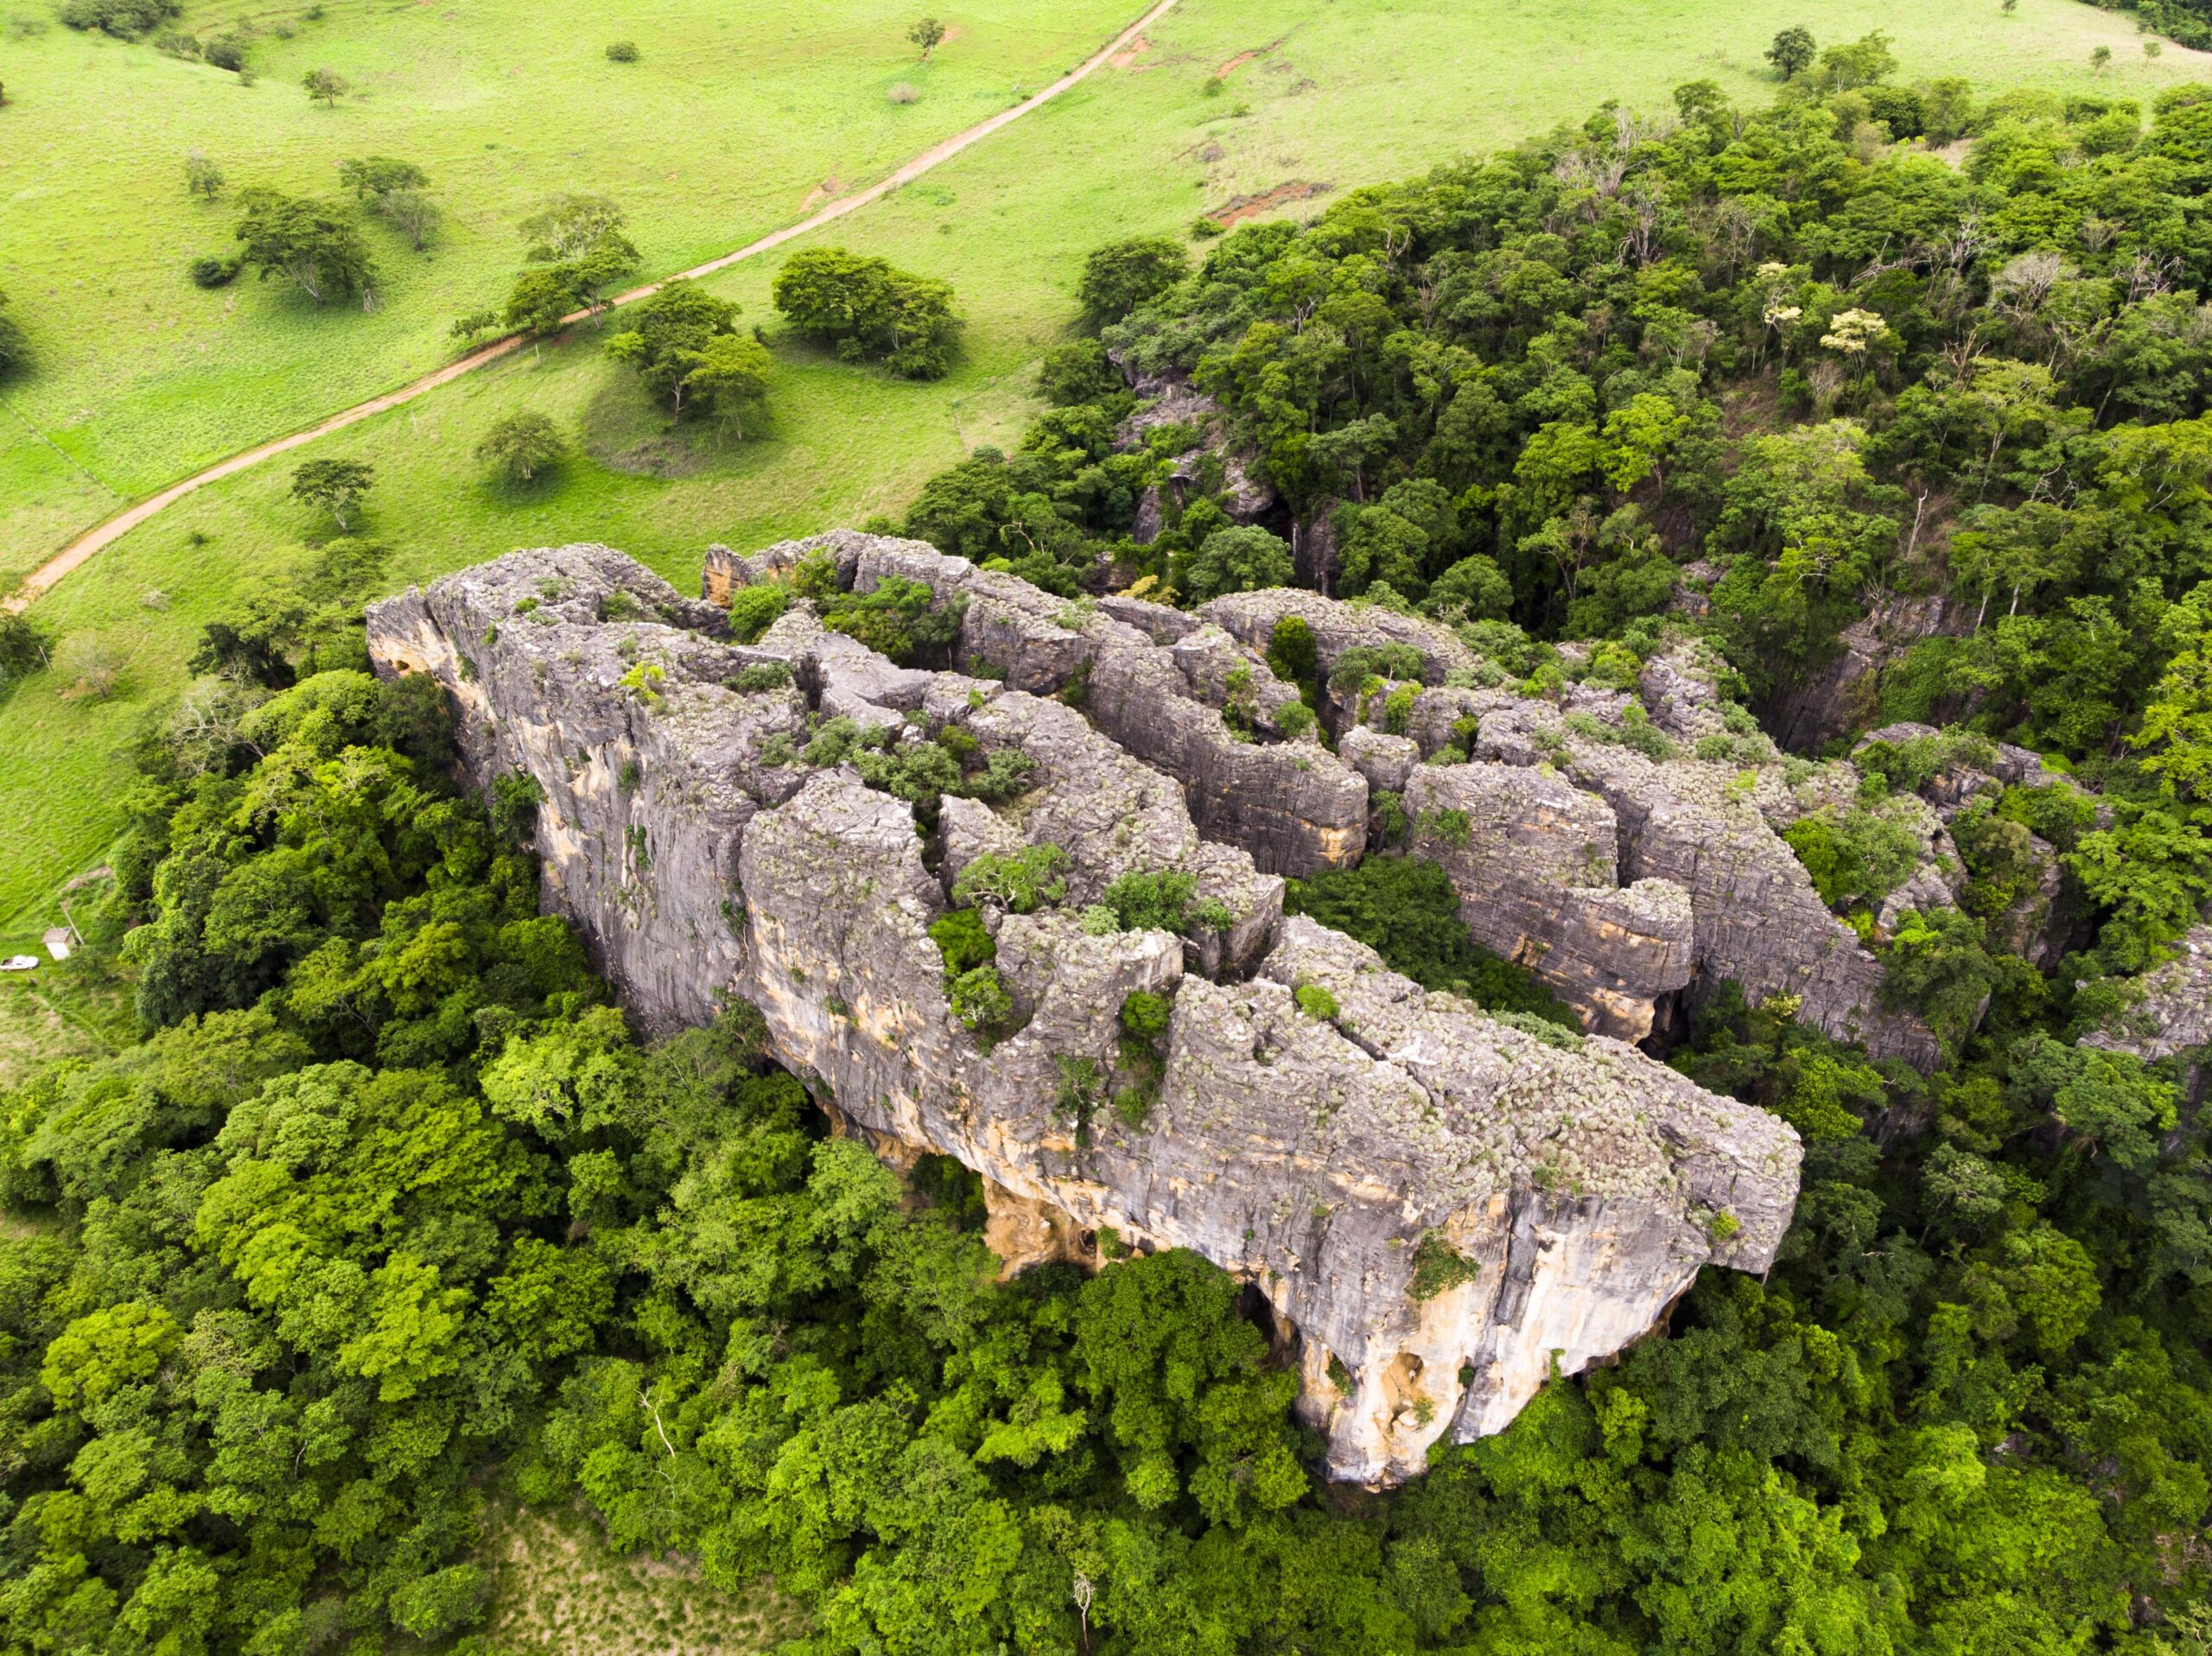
(80, 550)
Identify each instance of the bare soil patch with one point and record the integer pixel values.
(1130, 54)
(1243, 58)
(1238, 208)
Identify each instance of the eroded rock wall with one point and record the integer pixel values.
(1437, 1201)
(1630, 873)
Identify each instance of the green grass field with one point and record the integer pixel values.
(734, 117)
(1334, 93)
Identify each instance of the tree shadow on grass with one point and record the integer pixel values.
(553, 479)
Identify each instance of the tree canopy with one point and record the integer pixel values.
(866, 308)
(313, 244)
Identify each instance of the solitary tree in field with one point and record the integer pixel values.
(518, 446)
(669, 336)
(2010, 6)
(312, 244)
(203, 177)
(2101, 60)
(394, 189)
(926, 35)
(413, 214)
(730, 376)
(865, 307)
(325, 87)
(541, 298)
(87, 663)
(373, 178)
(336, 486)
(23, 647)
(2152, 48)
(1792, 51)
(568, 225)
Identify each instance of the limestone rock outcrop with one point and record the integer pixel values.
(1439, 1202)
(1633, 876)
(2172, 1012)
(1536, 861)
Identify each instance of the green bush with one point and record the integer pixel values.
(212, 272)
(981, 1002)
(1076, 371)
(1020, 882)
(1121, 275)
(898, 619)
(753, 610)
(1316, 1002)
(1438, 1267)
(124, 19)
(1405, 909)
(1354, 667)
(1235, 560)
(863, 307)
(1158, 901)
(1856, 857)
(760, 675)
(1938, 968)
(1146, 1014)
(961, 938)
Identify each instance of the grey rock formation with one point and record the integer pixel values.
(2173, 1012)
(1597, 912)
(1313, 550)
(1171, 400)
(1336, 627)
(1386, 761)
(1546, 1194)
(1842, 694)
(1293, 806)
(1757, 921)
(1536, 861)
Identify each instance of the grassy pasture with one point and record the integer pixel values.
(734, 118)
(1336, 92)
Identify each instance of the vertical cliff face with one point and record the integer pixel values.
(1435, 1201)
(1665, 879)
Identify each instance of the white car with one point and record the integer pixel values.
(19, 963)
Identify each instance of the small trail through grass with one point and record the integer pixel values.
(83, 548)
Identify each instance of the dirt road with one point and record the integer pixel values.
(80, 550)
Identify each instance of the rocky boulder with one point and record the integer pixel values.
(1535, 861)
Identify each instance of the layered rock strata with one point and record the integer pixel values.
(1536, 861)
(1437, 1203)
(1592, 892)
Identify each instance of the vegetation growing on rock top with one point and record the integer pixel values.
(1404, 908)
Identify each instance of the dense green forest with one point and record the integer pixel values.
(389, 1216)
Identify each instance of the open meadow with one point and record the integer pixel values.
(1276, 105)
(731, 120)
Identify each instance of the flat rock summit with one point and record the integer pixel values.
(1438, 1203)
